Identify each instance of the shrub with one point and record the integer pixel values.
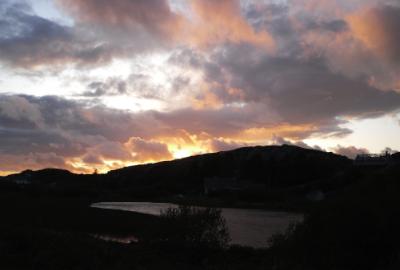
(357, 230)
(194, 226)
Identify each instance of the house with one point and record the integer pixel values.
(22, 182)
(372, 159)
(23, 179)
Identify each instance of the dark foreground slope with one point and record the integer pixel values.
(48, 223)
(358, 229)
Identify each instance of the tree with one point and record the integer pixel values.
(195, 226)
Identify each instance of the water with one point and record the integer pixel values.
(247, 227)
(112, 238)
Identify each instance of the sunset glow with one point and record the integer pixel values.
(98, 85)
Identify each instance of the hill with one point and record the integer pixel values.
(354, 227)
(250, 173)
(274, 166)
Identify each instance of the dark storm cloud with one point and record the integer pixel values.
(113, 86)
(275, 18)
(304, 81)
(321, 71)
(191, 59)
(278, 18)
(73, 129)
(226, 121)
(52, 123)
(83, 119)
(188, 58)
(303, 90)
(334, 25)
(28, 40)
(25, 141)
(154, 21)
(137, 84)
(180, 83)
(13, 163)
(53, 127)
(104, 30)
(295, 91)
(356, 40)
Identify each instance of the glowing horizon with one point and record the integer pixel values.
(100, 85)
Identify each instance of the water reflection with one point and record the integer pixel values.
(247, 227)
(116, 239)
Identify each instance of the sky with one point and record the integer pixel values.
(98, 85)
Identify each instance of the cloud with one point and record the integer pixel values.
(365, 48)
(378, 28)
(209, 24)
(237, 73)
(113, 86)
(222, 21)
(153, 16)
(112, 150)
(281, 141)
(16, 109)
(349, 151)
(91, 159)
(283, 90)
(105, 30)
(35, 161)
(82, 134)
(222, 122)
(30, 41)
(295, 91)
(148, 150)
(223, 145)
(66, 128)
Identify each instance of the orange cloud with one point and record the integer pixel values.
(210, 23)
(113, 155)
(207, 99)
(182, 143)
(259, 134)
(221, 21)
(378, 29)
(145, 151)
(155, 16)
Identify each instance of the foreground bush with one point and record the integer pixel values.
(359, 230)
(193, 226)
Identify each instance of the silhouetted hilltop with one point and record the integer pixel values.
(280, 166)
(43, 177)
(52, 181)
(275, 166)
(286, 173)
